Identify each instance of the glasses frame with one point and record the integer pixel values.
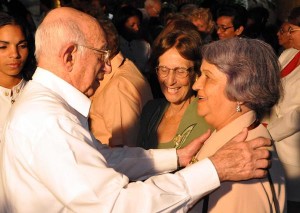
(281, 31)
(291, 30)
(175, 70)
(105, 53)
(222, 28)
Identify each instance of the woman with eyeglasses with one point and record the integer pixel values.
(283, 36)
(172, 121)
(16, 61)
(284, 124)
(231, 21)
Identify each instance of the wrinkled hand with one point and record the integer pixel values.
(242, 160)
(185, 154)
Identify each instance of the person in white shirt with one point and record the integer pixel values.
(50, 162)
(14, 66)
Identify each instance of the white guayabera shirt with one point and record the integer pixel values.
(49, 161)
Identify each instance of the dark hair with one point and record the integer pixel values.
(237, 12)
(29, 67)
(252, 71)
(259, 15)
(122, 16)
(112, 36)
(294, 17)
(182, 35)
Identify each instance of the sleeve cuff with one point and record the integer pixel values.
(165, 160)
(201, 178)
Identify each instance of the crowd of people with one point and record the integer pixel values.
(166, 108)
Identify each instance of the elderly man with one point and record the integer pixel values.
(49, 161)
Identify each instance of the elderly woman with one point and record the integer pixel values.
(284, 123)
(239, 81)
(172, 121)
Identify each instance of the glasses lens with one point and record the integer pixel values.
(221, 28)
(162, 71)
(181, 72)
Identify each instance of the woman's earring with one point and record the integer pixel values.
(238, 107)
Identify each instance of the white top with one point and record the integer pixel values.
(7, 98)
(284, 126)
(48, 161)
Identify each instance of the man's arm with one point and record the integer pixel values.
(241, 160)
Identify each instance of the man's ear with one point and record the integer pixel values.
(69, 56)
(239, 30)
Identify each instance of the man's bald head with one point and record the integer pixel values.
(62, 26)
(72, 45)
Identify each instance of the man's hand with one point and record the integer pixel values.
(242, 160)
(186, 154)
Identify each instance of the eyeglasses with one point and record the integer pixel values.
(281, 31)
(104, 54)
(180, 72)
(223, 28)
(291, 30)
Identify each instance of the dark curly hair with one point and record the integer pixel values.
(30, 65)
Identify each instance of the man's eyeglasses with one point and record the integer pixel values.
(104, 54)
(180, 72)
(223, 28)
(291, 30)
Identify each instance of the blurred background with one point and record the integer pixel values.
(279, 8)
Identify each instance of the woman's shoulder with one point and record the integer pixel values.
(287, 55)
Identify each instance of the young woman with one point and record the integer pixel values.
(16, 62)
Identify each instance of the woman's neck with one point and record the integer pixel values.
(231, 118)
(9, 81)
(177, 109)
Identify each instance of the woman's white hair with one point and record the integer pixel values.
(51, 36)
